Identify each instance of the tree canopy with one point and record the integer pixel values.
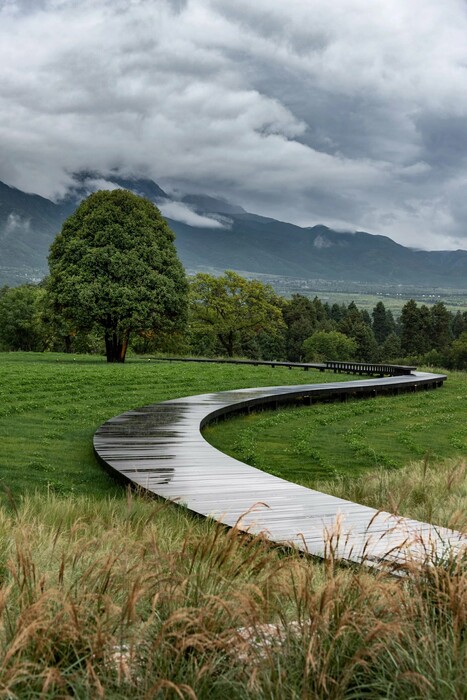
(357, 325)
(233, 308)
(301, 318)
(383, 323)
(21, 325)
(325, 346)
(114, 266)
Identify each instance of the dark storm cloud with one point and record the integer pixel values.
(348, 113)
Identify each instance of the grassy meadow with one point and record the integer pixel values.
(51, 404)
(381, 452)
(109, 594)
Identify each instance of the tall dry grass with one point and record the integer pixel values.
(434, 492)
(142, 600)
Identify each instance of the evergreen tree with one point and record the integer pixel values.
(425, 329)
(415, 329)
(458, 325)
(338, 312)
(383, 322)
(300, 316)
(321, 310)
(440, 326)
(354, 326)
(365, 341)
(352, 317)
(366, 318)
(391, 348)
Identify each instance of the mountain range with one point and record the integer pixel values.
(213, 234)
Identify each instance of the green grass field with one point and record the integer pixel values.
(110, 595)
(405, 454)
(347, 439)
(51, 404)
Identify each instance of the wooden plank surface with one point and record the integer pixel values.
(160, 448)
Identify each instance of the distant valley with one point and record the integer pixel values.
(214, 235)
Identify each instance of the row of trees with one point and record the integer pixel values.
(310, 330)
(230, 315)
(116, 282)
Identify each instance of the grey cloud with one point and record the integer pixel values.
(273, 25)
(340, 113)
(444, 139)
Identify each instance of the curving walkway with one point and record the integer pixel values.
(160, 448)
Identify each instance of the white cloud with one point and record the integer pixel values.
(181, 212)
(16, 222)
(93, 184)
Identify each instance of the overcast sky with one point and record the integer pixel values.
(351, 113)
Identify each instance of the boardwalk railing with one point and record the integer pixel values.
(160, 448)
(347, 367)
(370, 368)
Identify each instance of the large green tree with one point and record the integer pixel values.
(114, 267)
(233, 309)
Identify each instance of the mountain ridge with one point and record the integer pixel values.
(216, 234)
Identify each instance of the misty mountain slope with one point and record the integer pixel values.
(241, 241)
(203, 204)
(259, 244)
(28, 224)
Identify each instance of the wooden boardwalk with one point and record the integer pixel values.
(160, 448)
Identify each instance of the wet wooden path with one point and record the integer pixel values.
(160, 448)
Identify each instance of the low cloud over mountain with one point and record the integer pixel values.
(213, 233)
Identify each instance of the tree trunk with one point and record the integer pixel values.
(227, 340)
(116, 345)
(230, 344)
